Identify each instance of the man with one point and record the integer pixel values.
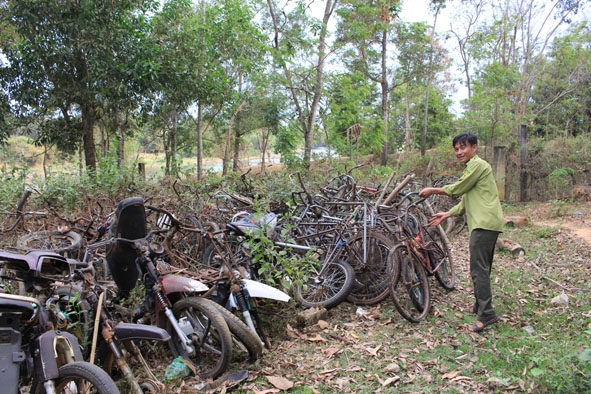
(480, 202)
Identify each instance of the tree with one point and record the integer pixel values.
(67, 58)
(467, 16)
(508, 50)
(350, 99)
(365, 27)
(303, 82)
(562, 90)
(436, 5)
(420, 59)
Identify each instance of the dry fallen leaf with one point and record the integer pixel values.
(268, 391)
(373, 352)
(280, 382)
(460, 378)
(331, 351)
(451, 375)
(323, 324)
(389, 381)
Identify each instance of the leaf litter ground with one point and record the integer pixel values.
(378, 351)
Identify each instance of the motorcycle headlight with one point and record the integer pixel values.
(156, 248)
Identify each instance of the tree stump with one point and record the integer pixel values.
(515, 221)
(512, 246)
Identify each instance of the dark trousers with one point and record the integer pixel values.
(482, 250)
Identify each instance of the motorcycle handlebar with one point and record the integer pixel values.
(134, 241)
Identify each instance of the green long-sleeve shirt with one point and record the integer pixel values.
(480, 197)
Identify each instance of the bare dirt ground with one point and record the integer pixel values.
(574, 218)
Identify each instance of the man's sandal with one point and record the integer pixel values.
(486, 323)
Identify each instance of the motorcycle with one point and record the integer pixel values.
(199, 332)
(48, 360)
(234, 289)
(58, 283)
(183, 251)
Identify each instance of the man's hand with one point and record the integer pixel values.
(426, 192)
(439, 217)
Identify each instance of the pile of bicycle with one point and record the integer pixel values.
(205, 278)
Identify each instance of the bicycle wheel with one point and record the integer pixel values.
(209, 333)
(410, 288)
(243, 337)
(329, 287)
(372, 280)
(80, 377)
(68, 243)
(441, 258)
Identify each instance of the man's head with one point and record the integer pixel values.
(465, 147)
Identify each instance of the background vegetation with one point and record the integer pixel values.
(228, 79)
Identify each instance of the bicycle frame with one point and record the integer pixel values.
(419, 241)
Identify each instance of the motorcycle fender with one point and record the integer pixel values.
(131, 332)
(56, 348)
(261, 290)
(180, 284)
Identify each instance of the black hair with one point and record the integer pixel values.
(463, 138)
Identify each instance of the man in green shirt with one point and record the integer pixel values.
(480, 202)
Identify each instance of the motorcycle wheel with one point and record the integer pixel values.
(80, 377)
(78, 311)
(68, 243)
(209, 334)
(243, 337)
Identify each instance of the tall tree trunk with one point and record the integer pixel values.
(88, 117)
(200, 130)
(121, 136)
(265, 132)
(228, 146)
(328, 10)
(173, 143)
(307, 121)
(167, 156)
(385, 91)
(428, 87)
(236, 157)
(465, 42)
(102, 138)
(407, 124)
(199, 141)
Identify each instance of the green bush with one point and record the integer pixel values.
(559, 180)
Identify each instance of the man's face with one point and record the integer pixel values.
(464, 151)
